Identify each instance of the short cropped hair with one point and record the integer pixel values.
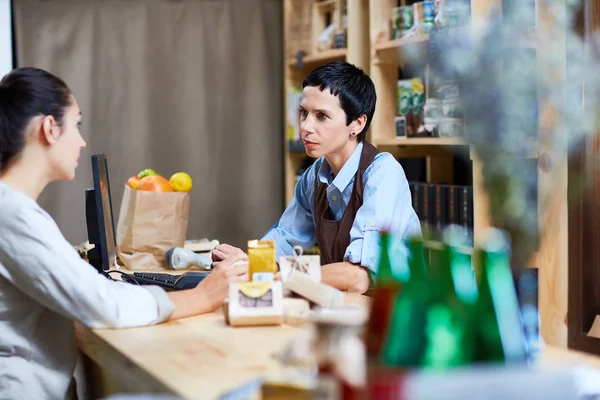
(351, 85)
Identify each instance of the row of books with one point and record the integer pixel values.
(439, 205)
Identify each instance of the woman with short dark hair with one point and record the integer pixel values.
(352, 191)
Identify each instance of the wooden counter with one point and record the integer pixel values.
(197, 357)
(201, 357)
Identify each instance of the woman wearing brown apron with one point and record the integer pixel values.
(351, 192)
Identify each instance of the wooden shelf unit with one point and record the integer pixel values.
(551, 257)
(390, 54)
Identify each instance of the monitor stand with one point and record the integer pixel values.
(95, 259)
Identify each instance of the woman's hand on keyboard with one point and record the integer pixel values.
(215, 286)
(223, 251)
(212, 291)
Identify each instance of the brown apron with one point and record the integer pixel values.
(333, 237)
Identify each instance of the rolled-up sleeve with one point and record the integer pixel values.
(387, 205)
(37, 259)
(296, 227)
(165, 306)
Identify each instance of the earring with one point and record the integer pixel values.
(353, 133)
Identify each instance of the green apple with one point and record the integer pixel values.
(147, 172)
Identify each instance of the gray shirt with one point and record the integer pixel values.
(44, 287)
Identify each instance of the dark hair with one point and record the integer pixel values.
(26, 93)
(351, 85)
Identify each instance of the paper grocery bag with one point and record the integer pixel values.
(150, 224)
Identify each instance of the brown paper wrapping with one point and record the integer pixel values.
(150, 224)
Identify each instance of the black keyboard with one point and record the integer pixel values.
(187, 280)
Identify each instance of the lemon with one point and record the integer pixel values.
(181, 182)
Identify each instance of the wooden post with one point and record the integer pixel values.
(553, 210)
(358, 34)
(481, 11)
(384, 75)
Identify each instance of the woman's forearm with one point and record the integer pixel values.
(346, 276)
(188, 303)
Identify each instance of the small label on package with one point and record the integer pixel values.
(253, 303)
(263, 277)
(253, 295)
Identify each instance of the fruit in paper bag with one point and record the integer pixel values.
(147, 172)
(134, 182)
(155, 183)
(181, 182)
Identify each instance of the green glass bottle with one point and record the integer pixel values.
(387, 287)
(461, 265)
(405, 343)
(500, 335)
(449, 327)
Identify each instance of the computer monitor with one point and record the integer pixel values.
(99, 216)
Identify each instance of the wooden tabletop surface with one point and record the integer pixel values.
(202, 357)
(196, 357)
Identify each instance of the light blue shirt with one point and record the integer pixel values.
(387, 205)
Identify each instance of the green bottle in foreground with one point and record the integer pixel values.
(387, 288)
(449, 329)
(405, 343)
(500, 336)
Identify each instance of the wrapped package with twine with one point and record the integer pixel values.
(149, 224)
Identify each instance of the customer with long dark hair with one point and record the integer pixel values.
(44, 284)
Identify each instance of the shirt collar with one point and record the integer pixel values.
(347, 172)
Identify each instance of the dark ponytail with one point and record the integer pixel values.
(26, 93)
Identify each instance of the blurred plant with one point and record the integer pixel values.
(506, 79)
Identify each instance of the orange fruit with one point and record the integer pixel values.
(134, 182)
(155, 183)
(181, 182)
